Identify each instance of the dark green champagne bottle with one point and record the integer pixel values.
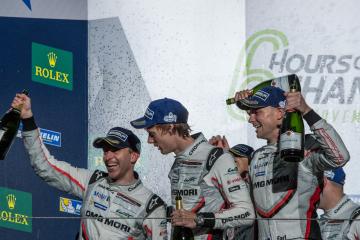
(292, 134)
(280, 82)
(9, 126)
(181, 233)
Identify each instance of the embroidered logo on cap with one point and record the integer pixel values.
(329, 174)
(149, 113)
(170, 117)
(262, 95)
(243, 148)
(118, 134)
(282, 104)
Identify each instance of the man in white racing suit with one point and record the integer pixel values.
(337, 207)
(215, 197)
(242, 154)
(116, 205)
(286, 194)
(354, 231)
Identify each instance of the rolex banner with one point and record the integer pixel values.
(15, 209)
(52, 66)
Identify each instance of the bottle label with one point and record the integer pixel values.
(290, 140)
(1, 133)
(281, 82)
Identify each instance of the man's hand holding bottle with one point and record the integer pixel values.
(25, 101)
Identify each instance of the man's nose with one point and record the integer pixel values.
(107, 155)
(251, 117)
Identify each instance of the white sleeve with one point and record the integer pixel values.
(226, 178)
(56, 173)
(354, 232)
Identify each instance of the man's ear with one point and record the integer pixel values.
(171, 129)
(281, 113)
(325, 181)
(134, 156)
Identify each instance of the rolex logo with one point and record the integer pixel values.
(52, 66)
(11, 199)
(52, 59)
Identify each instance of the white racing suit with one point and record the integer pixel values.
(284, 190)
(354, 231)
(209, 182)
(331, 224)
(113, 211)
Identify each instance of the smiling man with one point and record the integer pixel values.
(116, 205)
(214, 194)
(288, 192)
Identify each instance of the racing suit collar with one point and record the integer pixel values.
(199, 138)
(131, 185)
(340, 206)
(271, 145)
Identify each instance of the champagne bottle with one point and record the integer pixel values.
(179, 232)
(280, 82)
(292, 134)
(9, 126)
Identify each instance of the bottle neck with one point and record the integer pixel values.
(292, 90)
(17, 109)
(178, 204)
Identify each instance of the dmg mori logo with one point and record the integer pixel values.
(52, 59)
(52, 66)
(11, 200)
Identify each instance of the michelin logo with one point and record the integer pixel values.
(49, 137)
